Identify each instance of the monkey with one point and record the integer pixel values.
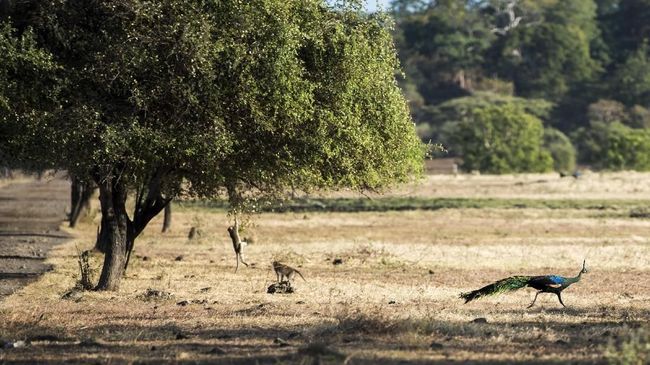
(237, 243)
(284, 271)
(194, 233)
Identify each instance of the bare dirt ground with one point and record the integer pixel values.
(30, 216)
(392, 300)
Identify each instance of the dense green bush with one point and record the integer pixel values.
(614, 146)
(501, 139)
(561, 149)
(440, 118)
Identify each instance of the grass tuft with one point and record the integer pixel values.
(85, 281)
(635, 350)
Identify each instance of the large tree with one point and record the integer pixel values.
(204, 97)
(629, 26)
(546, 60)
(631, 80)
(441, 45)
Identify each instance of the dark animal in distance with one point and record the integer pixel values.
(544, 284)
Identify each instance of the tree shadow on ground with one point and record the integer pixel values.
(356, 339)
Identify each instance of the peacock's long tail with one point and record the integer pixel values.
(501, 286)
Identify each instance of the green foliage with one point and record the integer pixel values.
(609, 111)
(632, 78)
(615, 146)
(561, 150)
(437, 122)
(606, 111)
(263, 94)
(501, 139)
(626, 26)
(495, 86)
(453, 110)
(549, 48)
(638, 117)
(442, 46)
(580, 14)
(545, 60)
(27, 88)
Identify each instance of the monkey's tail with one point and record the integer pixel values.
(241, 258)
(303, 278)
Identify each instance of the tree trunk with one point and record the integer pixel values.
(81, 192)
(117, 233)
(116, 230)
(75, 196)
(167, 222)
(103, 239)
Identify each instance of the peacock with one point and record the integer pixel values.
(544, 284)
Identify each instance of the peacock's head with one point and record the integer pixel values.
(584, 267)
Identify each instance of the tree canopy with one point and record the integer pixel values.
(26, 91)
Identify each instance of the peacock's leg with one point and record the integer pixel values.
(531, 304)
(560, 298)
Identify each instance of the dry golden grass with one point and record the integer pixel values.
(591, 185)
(394, 298)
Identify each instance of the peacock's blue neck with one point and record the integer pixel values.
(574, 279)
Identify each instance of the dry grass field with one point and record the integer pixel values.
(393, 299)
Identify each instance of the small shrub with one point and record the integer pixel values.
(561, 149)
(640, 213)
(86, 275)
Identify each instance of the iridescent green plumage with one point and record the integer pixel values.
(553, 284)
(501, 286)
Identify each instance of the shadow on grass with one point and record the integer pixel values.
(353, 339)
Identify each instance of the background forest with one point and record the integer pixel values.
(529, 85)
